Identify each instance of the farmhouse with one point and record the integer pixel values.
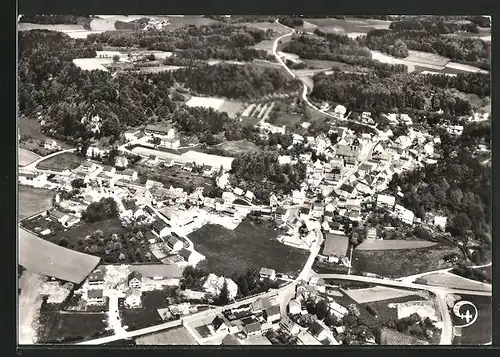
(162, 131)
(133, 298)
(218, 326)
(253, 329)
(174, 243)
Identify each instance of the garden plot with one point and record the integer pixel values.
(175, 336)
(425, 58)
(33, 200)
(423, 308)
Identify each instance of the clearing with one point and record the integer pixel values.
(218, 104)
(90, 64)
(347, 26)
(422, 58)
(377, 293)
(234, 148)
(40, 256)
(395, 244)
(400, 263)
(33, 200)
(175, 336)
(250, 245)
(26, 157)
(61, 162)
(453, 281)
(480, 332)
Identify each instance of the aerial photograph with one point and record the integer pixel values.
(254, 180)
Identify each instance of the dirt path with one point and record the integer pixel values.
(30, 302)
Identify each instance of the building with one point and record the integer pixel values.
(50, 144)
(218, 326)
(238, 191)
(121, 162)
(129, 174)
(455, 129)
(228, 197)
(266, 273)
(160, 228)
(96, 152)
(281, 215)
(174, 243)
(440, 221)
(272, 314)
(386, 201)
(253, 329)
(161, 131)
(133, 298)
(134, 280)
(132, 135)
(294, 307)
(213, 285)
(371, 234)
(337, 309)
(404, 214)
(96, 278)
(261, 304)
(250, 195)
(288, 325)
(95, 297)
(230, 340)
(305, 338)
(340, 110)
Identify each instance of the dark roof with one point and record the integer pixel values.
(315, 329)
(217, 322)
(134, 275)
(328, 213)
(107, 168)
(347, 188)
(230, 340)
(280, 210)
(253, 327)
(95, 294)
(159, 224)
(57, 214)
(305, 210)
(344, 150)
(273, 310)
(172, 240)
(185, 253)
(128, 172)
(97, 275)
(87, 164)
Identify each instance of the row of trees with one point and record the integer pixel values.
(386, 93)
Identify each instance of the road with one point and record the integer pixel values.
(32, 166)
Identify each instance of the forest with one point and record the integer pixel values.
(386, 93)
(52, 19)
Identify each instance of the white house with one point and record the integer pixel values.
(175, 244)
(440, 221)
(223, 180)
(133, 298)
(51, 145)
(95, 297)
(298, 197)
(288, 325)
(294, 307)
(228, 197)
(404, 214)
(272, 314)
(218, 326)
(250, 195)
(121, 161)
(266, 273)
(160, 228)
(386, 201)
(238, 191)
(132, 135)
(340, 110)
(93, 151)
(455, 129)
(134, 280)
(213, 285)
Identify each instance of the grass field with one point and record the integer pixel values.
(39, 256)
(33, 200)
(290, 120)
(71, 327)
(480, 332)
(219, 104)
(349, 25)
(427, 58)
(234, 148)
(400, 263)
(61, 162)
(453, 281)
(175, 336)
(393, 244)
(176, 177)
(377, 293)
(137, 319)
(26, 157)
(248, 246)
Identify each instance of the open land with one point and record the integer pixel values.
(175, 336)
(61, 162)
(248, 246)
(234, 148)
(33, 200)
(29, 306)
(400, 263)
(394, 244)
(39, 256)
(349, 25)
(218, 104)
(26, 157)
(453, 281)
(480, 332)
(376, 293)
(176, 177)
(31, 127)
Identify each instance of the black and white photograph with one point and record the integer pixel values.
(258, 180)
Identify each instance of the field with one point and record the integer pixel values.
(29, 305)
(31, 127)
(176, 177)
(394, 244)
(349, 25)
(72, 30)
(90, 64)
(427, 58)
(137, 319)
(377, 293)
(185, 20)
(40, 256)
(33, 200)
(219, 104)
(58, 327)
(453, 281)
(234, 148)
(250, 245)
(480, 332)
(61, 162)
(175, 336)
(400, 263)
(26, 157)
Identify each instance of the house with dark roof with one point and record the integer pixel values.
(230, 340)
(96, 278)
(304, 212)
(175, 243)
(261, 304)
(347, 190)
(280, 215)
(95, 297)
(160, 228)
(253, 329)
(129, 174)
(266, 273)
(134, 280)
(272, 314)
(218, 326)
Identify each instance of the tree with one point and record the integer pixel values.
(78, 183)
(322, 309)
(223, 297)
(64, 242)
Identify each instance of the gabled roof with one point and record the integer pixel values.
(230, 340)
(266, 271)
(57, 214)
(217, 322)
(172, 240)
(160, 224)
(273, 310)
(316, 328)
(281, 210)
(253, 327)
(97, 275)
(185, 253)
(134, 275)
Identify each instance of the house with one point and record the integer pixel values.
(51, 145)
(440, 221)
(325, 106)
(335, 245)
(340, 110)
(353, 204)
(94, 151)
(129, 174)
(190, 256)
(304, 213)
(404, 214)
(161, 131)
(174, 243)
(207, 171)
(238, 191)
(371, 234)
(272, 314)
(160, 228)
(266, 273)
(230, 340)
(213, 285)
(322, 333)
(133, 298)
(121, 162)
(294, 307)
(134, 280)
(281, 215)
(218, 326)
(261, 304)
(284, 159)
(95, 297)
(96, 278)
(347, 190)
(297, 139)
(88, 166)
(253, 329)
(386, 201)
(108, 171)
(298, 197)
(337, 309)
(132, 135)
(455, 129)
(228, 197)
(250, 195)
(170, 143)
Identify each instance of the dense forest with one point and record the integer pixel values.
(235, 81)
(52, 19)
(340, 48)
(386, 93)
(291, 21)
(215, 41)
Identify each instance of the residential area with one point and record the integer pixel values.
(293, 217)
